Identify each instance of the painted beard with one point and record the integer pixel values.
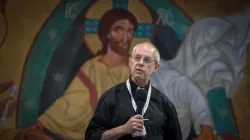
(120, 47)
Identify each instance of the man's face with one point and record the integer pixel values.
(143, 63)
(120, 36)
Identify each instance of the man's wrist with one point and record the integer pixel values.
(114, 133)
(122, 130)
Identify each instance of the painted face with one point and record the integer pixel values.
(120, 36)
(143, 63)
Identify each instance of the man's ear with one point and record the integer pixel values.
(157, 66)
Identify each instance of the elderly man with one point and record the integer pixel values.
(115, 116)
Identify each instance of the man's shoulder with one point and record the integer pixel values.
(111, 92)
(158, 92)
(161, 96)
(114, 89)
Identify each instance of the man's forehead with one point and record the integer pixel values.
(145, 46)
(144, 49)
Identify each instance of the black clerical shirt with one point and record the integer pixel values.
(134, 86)
(114, 109)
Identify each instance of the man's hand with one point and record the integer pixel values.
(134, 124)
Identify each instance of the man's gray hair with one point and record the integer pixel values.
(157, 53)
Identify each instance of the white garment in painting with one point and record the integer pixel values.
(212, 55)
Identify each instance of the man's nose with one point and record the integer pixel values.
(141, 61)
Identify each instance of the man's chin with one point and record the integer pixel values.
(140, 79)
(138, 76)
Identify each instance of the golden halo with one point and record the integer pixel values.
(97, 9)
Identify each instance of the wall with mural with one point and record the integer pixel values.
(54, 64)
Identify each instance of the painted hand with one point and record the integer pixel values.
(206, 133)
(34, 132)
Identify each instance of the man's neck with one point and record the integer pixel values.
(112, 59)
(139, 83)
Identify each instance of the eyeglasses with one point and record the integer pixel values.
(146, 60)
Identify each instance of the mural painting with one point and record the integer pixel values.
(80, 52)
